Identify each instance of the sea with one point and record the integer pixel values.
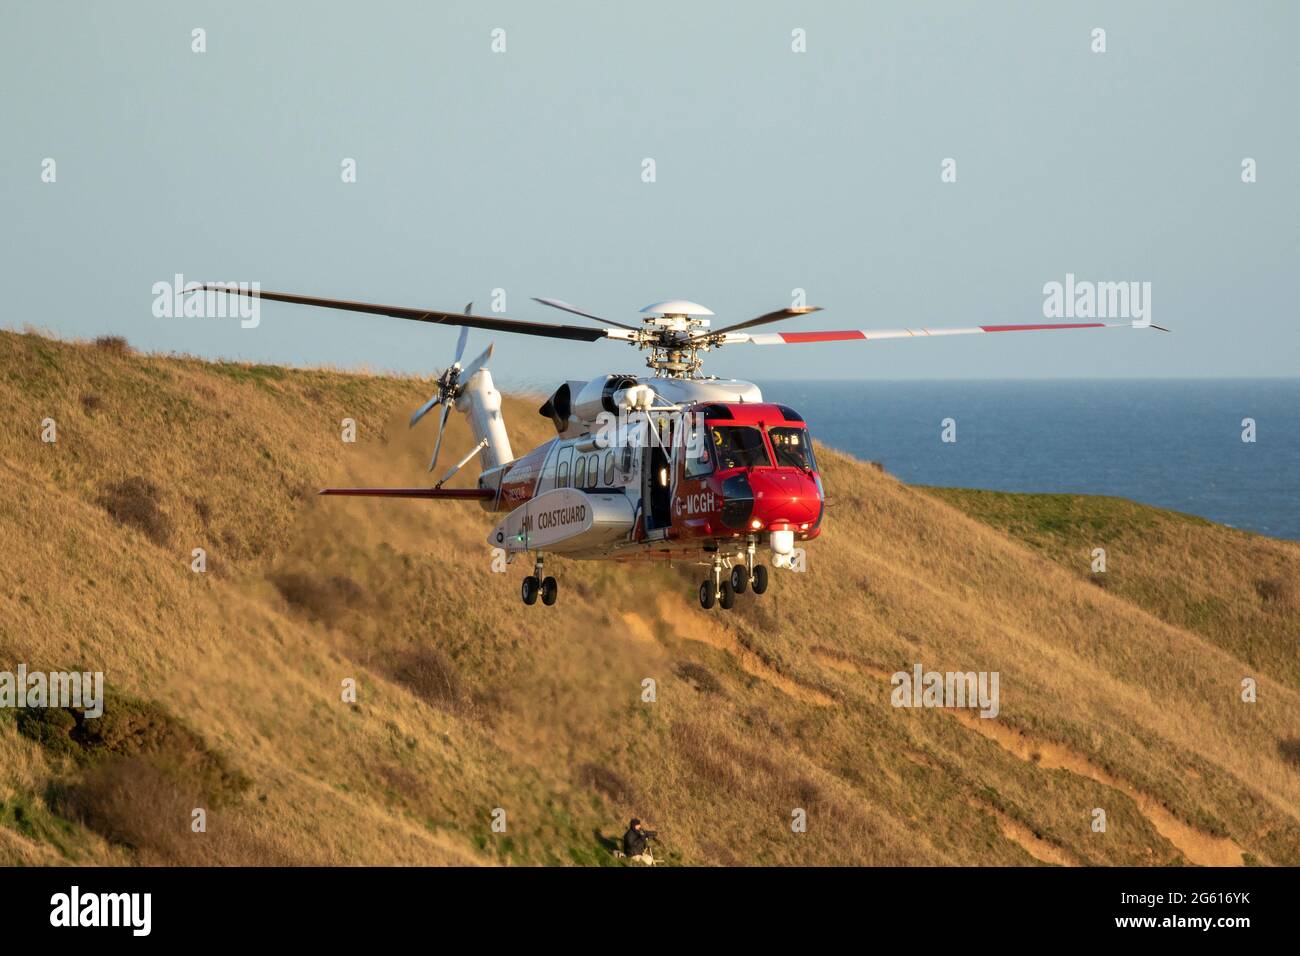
(1177, 444)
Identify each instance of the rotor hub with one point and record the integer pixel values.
(672, 332)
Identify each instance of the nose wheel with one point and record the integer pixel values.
(721, 589)
(739, 578)
(750, 573)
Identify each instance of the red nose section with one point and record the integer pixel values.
(785, 496)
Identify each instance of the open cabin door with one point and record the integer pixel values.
(656, 476)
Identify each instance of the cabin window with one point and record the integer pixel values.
(563, 480)
(792, 448)
(580, 471)
(627, 460)
(738, 446)
(609, 469)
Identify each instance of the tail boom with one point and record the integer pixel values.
(463, 494)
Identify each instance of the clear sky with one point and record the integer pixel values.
(775, 171)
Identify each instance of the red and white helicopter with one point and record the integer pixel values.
(672, 465)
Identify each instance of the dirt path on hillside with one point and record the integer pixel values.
(686, 623)
(1199, 847)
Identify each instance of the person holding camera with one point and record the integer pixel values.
(636, 843)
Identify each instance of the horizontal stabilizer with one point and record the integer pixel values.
(471, 494)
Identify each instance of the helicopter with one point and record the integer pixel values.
(668, 466)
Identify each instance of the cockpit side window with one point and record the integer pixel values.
(792, 448)
(695, 451)
(547, 481)
(738, 446)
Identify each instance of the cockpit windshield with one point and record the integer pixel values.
(792, 448)
(738, 446)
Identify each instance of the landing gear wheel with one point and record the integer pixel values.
(707, 595)
(529, 590)
(739, 579)
(727, 599)
(550, 591)
(760, 578)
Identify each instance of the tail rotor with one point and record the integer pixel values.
(451, 383)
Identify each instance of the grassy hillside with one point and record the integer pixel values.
(1238, 591)
(225, 685)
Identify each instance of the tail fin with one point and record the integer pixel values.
(481, 401)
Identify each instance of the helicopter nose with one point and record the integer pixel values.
(784, 500)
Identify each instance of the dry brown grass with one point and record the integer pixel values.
(431, 676)
(468, 701)
(1290, 751)
(137, 502)
(1239, 591)
(114, 344)
(700, 676)
(1281, 592)
(608, 782)
(324, 598)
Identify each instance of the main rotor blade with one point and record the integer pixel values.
(845, 335)
(575, 333)
(437, 446)
(565, 307)
(763, 319)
